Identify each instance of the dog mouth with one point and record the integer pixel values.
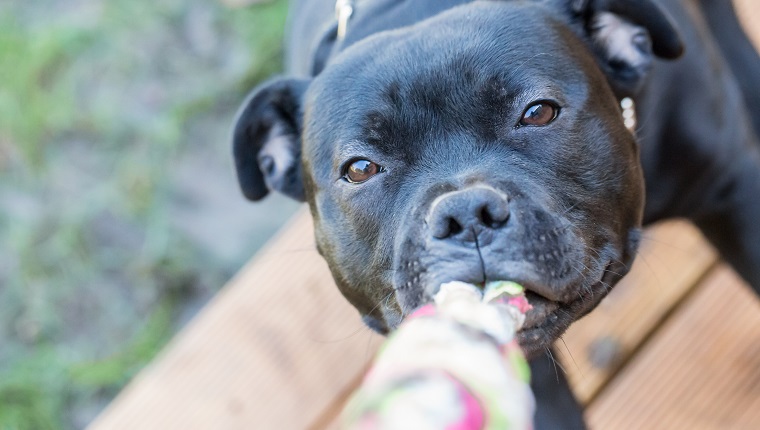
(548, 319)
(543, 311)
(542, 325)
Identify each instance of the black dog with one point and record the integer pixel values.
(483, 140)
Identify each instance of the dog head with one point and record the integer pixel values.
(485, 143)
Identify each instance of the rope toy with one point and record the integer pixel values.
(452, 365)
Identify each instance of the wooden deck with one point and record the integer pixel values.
(678, 342)
(676, 345)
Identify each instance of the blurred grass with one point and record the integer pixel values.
(97, 104)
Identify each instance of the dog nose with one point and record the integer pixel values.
(462, 214)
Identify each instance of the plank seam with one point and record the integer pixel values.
(332, 412)
(647, 339)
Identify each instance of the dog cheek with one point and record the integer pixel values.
(341, 262)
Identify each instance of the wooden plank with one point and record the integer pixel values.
(271, 351)
(749, 16)
(667, 268)
(701, 371)
(673, 257)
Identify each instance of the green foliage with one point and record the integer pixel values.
(255, 22)
(98, 100)
(33, 101)
(35, 391)
(113, 371)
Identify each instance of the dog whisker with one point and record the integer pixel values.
(613, 272)
(297, 250)
(654, 239)
(566, 211)
(341, 339)
(575, 363)
(554, 363)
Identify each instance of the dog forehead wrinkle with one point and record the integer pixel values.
(419, 98)
(435, 105)
(426, 112)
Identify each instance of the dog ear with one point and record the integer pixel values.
(266, 141)
(625, 34)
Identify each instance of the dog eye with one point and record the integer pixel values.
(361, 170)
(539, 113)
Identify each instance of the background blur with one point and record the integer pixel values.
(119, 211)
